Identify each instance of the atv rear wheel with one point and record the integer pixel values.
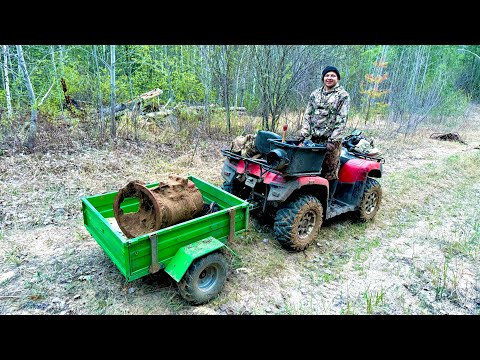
(233, 187)
(297, 224)
(372, 197)
(227, 186)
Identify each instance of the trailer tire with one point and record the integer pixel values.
(371, 199)
(297, 224)
(204, 278)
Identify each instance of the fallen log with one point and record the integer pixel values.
(151, 94)
(216, 108)
(447, 137)
(161, 113)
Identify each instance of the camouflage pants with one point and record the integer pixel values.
(331, 163)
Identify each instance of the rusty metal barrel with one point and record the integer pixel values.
(167, 204)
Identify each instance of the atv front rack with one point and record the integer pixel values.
(366, 156)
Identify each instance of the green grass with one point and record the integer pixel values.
(426, 194)
(373, 299)
(37, 286)
(364, 247)
(348, 309)
(13, 255)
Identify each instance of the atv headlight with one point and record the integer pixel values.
(277, 159)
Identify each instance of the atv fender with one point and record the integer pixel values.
(358, 170)
(228, 172)
(282, 191)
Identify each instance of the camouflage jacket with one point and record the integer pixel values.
(326, 114)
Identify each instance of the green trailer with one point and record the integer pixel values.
(191, 252)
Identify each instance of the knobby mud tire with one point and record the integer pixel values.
(204, 278)
(298, 223)
(371, 200)
(228, 187)
(232, 187)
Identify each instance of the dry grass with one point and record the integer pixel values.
(419, 256)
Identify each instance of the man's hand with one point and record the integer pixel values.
(330, 146)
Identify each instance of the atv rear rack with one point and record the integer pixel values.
(264, 167)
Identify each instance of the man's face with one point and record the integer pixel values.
(330, 79)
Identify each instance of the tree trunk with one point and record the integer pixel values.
(113, 129)
(100, 99)
(7, 85)
(55, 75)
(62, 73)
(237, 78)
(167, 66)
(225, 85)
(130, 88)
(205, 78)
(33, 118)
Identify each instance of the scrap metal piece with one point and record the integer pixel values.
(167, 204)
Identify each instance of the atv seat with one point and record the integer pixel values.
(345, 156)
(261, 141)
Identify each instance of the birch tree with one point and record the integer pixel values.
(220, 63)
(60, 96)
(100, 99)
(470, 77)
(6, 81)
(204, 74)
(113, 129)
(169, 72)
(419, 83)
(33, 103)
(279, 69)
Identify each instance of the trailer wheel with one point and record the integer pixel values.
(204, 278)
(371, 199)
(297, 224)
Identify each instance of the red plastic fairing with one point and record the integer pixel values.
(240, 167)
(270, 177)
(356, 170)
(254, 169)
(310, 180)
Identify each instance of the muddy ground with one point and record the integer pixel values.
(396, 264)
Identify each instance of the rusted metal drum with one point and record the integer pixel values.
(167, 204)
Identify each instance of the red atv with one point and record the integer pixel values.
(283, 183)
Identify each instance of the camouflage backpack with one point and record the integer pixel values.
(244, 145)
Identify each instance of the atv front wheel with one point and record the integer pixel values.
(372, 197)
(204, 279)
(297, 224)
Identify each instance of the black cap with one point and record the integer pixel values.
(330, 68)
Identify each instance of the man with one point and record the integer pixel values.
(324, 121)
